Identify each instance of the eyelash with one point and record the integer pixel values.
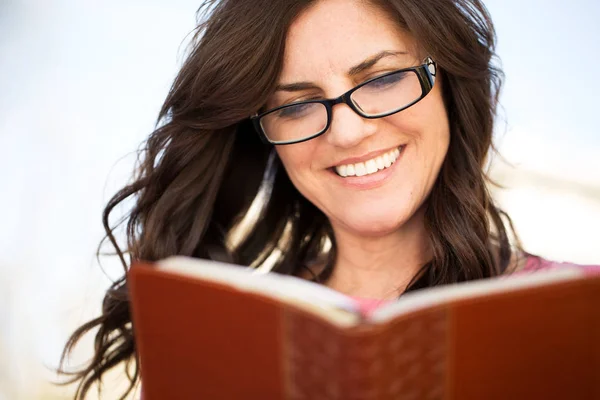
(378, 74)
(301, 100)
(369, 77)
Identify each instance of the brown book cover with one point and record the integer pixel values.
(206, 330)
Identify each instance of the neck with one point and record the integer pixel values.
(379, 267)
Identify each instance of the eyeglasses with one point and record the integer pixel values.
(376, 98)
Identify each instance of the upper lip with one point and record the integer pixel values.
(363, 158)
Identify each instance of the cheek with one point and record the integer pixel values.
(425, 126)
(436, 117)
(297, 160)
(425, 130)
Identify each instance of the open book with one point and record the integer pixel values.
(207, 330)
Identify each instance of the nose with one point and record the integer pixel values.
(347, 129)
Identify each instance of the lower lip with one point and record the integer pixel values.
(370, 181)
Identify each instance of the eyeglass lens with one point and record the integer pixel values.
(379, 97)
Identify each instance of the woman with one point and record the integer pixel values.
(374, 123)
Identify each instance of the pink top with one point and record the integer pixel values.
(535, 263)
(532, 264)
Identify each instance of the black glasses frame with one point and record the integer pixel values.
(426, 73)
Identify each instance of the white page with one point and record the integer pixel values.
(425, 298)
(299, 291)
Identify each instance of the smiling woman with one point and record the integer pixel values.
(364, 171)
(394, 109)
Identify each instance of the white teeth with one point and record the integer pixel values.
(386, 159)
(369, 167)
(380, 163)
(350, 171)
(360, 169)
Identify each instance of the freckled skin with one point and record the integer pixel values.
(322, 45)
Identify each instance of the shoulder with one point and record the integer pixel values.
(532, 264)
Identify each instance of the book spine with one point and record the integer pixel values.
(403, 359)
(414, 354)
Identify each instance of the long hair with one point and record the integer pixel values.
(199, 172)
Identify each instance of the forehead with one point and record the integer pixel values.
(334, 35)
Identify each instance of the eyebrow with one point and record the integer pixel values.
(357, 69)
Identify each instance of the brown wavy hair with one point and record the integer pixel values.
(199, 172)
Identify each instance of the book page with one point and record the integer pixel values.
(414, 301)
(300, 292)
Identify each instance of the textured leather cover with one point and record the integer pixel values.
(201, 340)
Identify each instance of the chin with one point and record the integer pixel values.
(375, 221)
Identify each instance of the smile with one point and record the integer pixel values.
(371, 166)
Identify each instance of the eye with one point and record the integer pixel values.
(386, 81)
(298, 110)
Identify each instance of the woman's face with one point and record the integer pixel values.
(323, 45)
